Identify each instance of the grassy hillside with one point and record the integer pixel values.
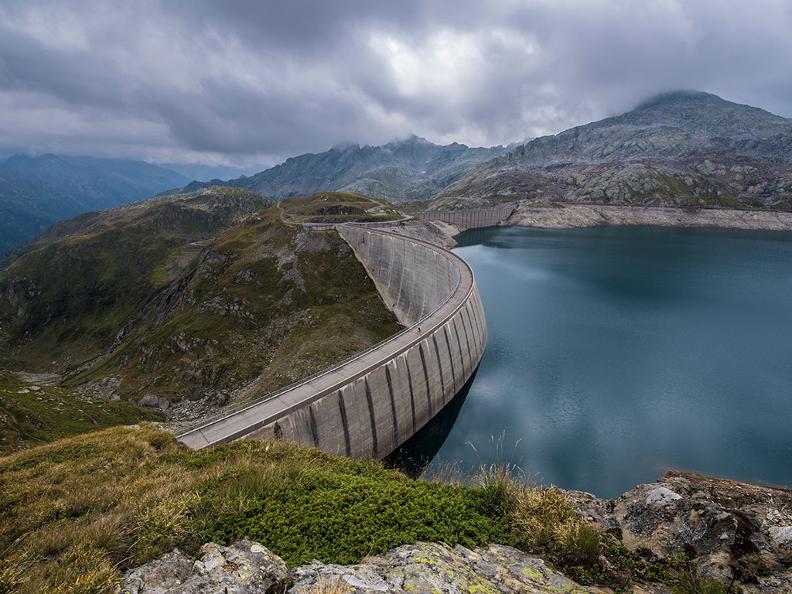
(337, 207)
(32, 413)
(186, 298)
(35, 192)
(78, 512)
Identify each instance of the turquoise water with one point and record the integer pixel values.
(617, 353)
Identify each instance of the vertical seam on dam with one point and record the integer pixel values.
(477, 315)
(426, 377)
(440, 367)
(459, 347)
(467, 339)
(392, 401)
(344, 423)
(412, 394)
(371, 416)
(312, 423)
(474, 329)
(450, 358)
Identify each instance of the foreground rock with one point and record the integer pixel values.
(241, 568)
(247, 567)
(733, 532)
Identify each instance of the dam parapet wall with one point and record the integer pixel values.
(368, 406)
(472, 218)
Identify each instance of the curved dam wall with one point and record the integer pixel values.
(471, 218)
(413, 278)
(368, 406)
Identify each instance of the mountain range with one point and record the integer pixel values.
(685, 148)
(37, 191)
(410, 169)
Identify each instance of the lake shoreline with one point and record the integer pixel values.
(596, 215)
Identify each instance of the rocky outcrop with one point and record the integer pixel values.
(733, 532)
(247, 567)
(428, 567)
(241, 568)
(715, 530)
(528, 214)
(680, 149)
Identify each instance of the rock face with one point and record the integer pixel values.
(682, 149)
(244, 567)
(732, 531)
(410, 169)
(247, 567)
(528, 214)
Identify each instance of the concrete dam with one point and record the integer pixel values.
(368, 406)
(472, 218)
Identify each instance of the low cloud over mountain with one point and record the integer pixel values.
(254, 82)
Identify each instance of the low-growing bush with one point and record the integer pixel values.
(74, 514)
(81, 510)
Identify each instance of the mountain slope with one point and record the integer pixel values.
(186, 297)
(411, 169)
(683, 148)
(205, 173)
(35, 192)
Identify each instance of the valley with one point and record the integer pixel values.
(254, 298)
(177, 303)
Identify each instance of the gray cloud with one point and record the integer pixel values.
(243, 82)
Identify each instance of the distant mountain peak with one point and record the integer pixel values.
(679, 96)
(412, 139)
(342, 146)
(701, 102)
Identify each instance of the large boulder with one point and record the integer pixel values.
(248, 568)
(432, 567)
(243, 568)
(731, 531)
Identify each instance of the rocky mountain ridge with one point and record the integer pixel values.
(410, 169)
(683, 148)
(679, 149)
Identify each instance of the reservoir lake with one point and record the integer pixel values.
(617, 353)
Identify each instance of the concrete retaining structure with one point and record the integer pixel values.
(471, 218)
(368, 406)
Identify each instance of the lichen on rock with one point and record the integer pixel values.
(249, 568)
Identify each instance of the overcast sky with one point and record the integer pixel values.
(256, 81)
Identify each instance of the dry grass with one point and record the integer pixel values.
(72, 512)
(76, 513)
(542, 519)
